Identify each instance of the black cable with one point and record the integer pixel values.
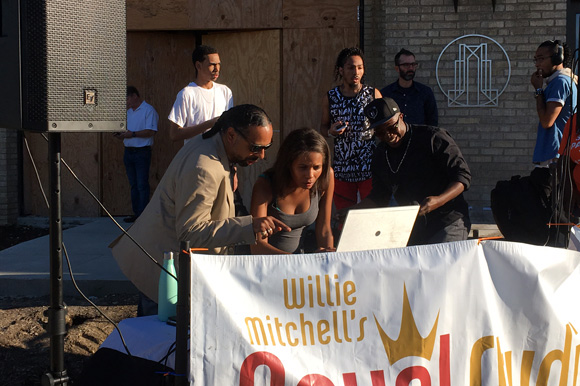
(561, 201)
(91, 303)
(115, 221)
(170, 351)
(67, 258)
(66, 253)
(35, 171)
(163, 361)
(567, 178)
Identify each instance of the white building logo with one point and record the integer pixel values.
(473, 71)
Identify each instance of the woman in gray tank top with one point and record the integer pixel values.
(297, 190)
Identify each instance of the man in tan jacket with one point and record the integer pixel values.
(194, 200)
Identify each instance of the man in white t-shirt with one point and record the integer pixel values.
(141, 127)
(198, 106)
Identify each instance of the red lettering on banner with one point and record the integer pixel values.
(414, 372)
(251, 363)
(444, 361)
(377, 378)
(349, 379)
(315, 380)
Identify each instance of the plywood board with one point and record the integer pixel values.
(251, 68)
(261, 14)
(334, 14)
(158, 15)
(159, 65)
(309, 57)
(80, 152)
(236, 14)
(220, 14)
(148, 15)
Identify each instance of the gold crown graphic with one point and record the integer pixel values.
(410, 342)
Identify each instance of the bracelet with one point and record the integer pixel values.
(539, 91)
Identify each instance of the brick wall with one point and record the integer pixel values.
(496, 141)
(8, 176)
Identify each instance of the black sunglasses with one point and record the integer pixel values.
(253, 147)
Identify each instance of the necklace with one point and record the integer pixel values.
(404, 154)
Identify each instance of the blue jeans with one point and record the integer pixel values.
(137, 162)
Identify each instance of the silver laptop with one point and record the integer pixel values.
(377, 228)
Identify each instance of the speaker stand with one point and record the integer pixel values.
(182, 328)
(57, 309)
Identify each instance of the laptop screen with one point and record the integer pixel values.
(377, 228)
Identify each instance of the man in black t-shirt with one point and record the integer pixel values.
(419, 164)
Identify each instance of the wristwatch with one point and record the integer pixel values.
(539, 91)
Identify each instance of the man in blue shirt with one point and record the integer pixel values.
(553, 103)
(416, 100)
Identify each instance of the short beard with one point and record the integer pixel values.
(245, 162)
(408, 75)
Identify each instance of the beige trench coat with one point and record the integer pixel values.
(194, 201)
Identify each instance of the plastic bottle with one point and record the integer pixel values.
(167, 289)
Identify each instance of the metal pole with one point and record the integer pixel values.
(56, 310)
(182, 329)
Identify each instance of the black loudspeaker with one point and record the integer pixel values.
(63, 65)
(558, 57)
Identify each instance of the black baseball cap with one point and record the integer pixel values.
(381, 110)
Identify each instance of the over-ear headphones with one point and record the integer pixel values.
(558, 57)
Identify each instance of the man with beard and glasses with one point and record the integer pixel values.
(415, 99)
(343, 118)
(194, 200)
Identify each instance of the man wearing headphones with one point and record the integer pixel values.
(552, 102)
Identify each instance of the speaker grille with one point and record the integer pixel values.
(74, 46)
(35, 103)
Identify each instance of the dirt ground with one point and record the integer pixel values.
(25, 343)
(24, 340)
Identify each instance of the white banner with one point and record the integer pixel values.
(495, 313)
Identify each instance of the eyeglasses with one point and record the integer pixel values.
(409, 65)
(391, 128)
(394, 127)
(538, 59)
(253, 147)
